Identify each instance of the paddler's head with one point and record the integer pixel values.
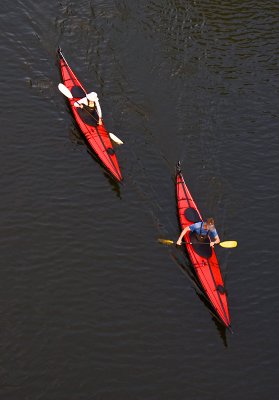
(210, 223)
(91, 99)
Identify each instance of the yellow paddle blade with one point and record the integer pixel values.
(228, 244)
(166, 241)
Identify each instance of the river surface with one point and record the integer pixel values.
(91, 306)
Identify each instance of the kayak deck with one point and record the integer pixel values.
(202, 256)
(96, 135)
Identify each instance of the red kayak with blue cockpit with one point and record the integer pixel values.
(96, 135)
(202, 256)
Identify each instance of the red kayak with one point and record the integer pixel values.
(202, 256)
(96, 135)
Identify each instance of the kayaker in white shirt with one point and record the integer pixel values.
(90, 102)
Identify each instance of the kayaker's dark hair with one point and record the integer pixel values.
(210, 221)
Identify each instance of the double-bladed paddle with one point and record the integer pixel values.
(229, 244)
(64, 90)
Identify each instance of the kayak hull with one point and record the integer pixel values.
(202, 256)
(96, 135)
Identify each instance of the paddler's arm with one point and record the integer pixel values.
(99, 111)
(179, 240)
(215, 241)
(81, 102)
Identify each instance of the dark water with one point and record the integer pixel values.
(91, 306)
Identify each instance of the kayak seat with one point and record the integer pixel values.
(78, 92)
(201, 248)
(192, 215)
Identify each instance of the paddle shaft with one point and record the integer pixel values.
(227, 244)
(208, 243)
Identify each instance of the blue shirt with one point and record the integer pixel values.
(201, 231)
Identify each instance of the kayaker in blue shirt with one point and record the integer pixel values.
(203, 230)
(90, 102)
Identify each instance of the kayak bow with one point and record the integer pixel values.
(203, 258)
(96, 135)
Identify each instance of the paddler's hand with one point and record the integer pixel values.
(212, 244)
(179, 242)
(100, 121)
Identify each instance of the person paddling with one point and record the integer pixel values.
(202, 230)
(90, 102)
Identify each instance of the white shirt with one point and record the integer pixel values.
(84, 100)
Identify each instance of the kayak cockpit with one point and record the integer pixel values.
(203, 249)
(192, 215)
(78, 92)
